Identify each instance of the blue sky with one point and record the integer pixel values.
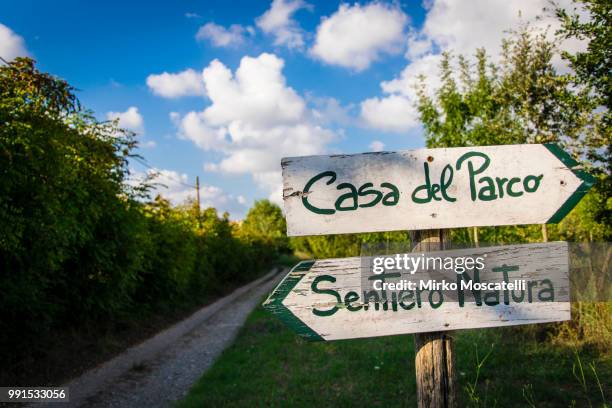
(289, 77)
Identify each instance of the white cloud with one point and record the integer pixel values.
(451, 26)
(397, 112)
(427, 66)
(257, 95)
(254, 120)
(11, 44)
(277, 21)
(149, 144)
(377, 146)
(327, 110)
(184, 83)
(355, 36)
(131, 119)
(178, 189)
(220, 36)
(192, 15)
(394, 113)
(418, 45)
(211, 167)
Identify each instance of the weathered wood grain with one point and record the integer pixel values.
(434, 359)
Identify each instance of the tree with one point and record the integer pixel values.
(265, 222)
(591, 71)
(592, 66)
(520, 99)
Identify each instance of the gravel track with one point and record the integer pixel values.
(161, 370)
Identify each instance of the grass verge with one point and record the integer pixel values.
(270, 366)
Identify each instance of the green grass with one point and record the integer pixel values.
(270, 366)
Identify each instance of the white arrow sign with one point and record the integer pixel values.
(430, 189)
(325, 299)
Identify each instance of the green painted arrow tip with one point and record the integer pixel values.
(587, 182)
(274, 303)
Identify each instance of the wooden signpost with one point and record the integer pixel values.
(430, 189)
(325, 300)
(426, 191)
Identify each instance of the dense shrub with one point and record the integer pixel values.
(77, 244)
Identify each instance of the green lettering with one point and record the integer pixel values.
(512, 182)
(316, 210)
(440, 299)
(536, 183)
(530, 285)
(487, 193)
(549, 291)
(349, 298)
(445, 183)
(406, 295)
(366, 299)
(315, 288)
(426, 187)
(347, 196)
(363, 192)
(471, 171)
(392, 197)
(500, 185)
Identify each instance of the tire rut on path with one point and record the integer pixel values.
(161, 370)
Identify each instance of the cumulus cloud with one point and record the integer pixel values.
(169, 85)
(254, 120)
(355, 36)
(451, 26)
(328, 111)
(397, 112)
(377, 146)
(220, 36)
(148, 144)
(131, 119)
(394, 113)
(278, 21)
(12, 45)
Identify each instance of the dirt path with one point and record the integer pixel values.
(162, 369)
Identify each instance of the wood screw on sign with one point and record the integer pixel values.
(435, 351)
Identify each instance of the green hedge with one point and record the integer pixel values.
(77, 244)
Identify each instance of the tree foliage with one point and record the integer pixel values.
(520, 99)
(592, 70)
(266, 223)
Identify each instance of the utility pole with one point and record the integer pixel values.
(198, 193)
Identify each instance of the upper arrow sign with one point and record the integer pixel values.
(431, 188)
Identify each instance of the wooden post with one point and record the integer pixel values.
(435, 353)
(544, 233)
(476, 241)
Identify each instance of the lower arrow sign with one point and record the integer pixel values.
(327, 299)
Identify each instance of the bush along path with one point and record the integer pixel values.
(162, 369)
